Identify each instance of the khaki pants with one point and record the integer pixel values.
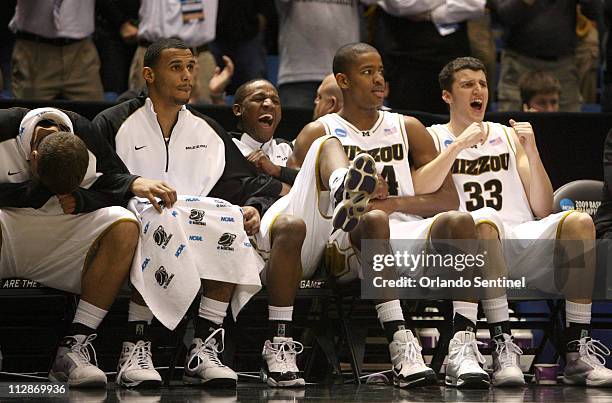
(482, 46)
(44, 71)
(587, 60)
(204, 71)
(514, 65)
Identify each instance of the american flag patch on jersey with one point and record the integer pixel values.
(392, 130)
(495, 141)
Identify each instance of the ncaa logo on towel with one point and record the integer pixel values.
(146, 227)
(161, 238)
(196, 217)
(179, 250)
(145, 263)
(192, 199)
(448, 142)
(225, 241)
(566, 204)
(162, 277)
(195, 238)
(339, 132)
(227, 219)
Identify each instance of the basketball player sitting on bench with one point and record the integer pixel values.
(58, 225)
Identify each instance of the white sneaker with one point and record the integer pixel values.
(464, 359)
(73, 363)
(587, 366)
(279, 368)
(202, 364)
(352, 196)
(409, 369)
(135, 368)
(506, 359)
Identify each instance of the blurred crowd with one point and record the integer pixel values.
(92, 50)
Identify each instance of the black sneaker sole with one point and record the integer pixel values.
(211, 383)
(417, 380)
(469, 381)
(359, 185)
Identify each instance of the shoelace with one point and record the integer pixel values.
(82, 350)
(594, 351)
(507, 349)
(140, 355)
(412, 352)
(470, 349)
(285, 353)
(208, 350)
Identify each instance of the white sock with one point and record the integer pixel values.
(89, 315)
(466, 309)
(577, 313)
(389, 311)
(139, 313)
(213, 310)
(284, 313)
(336, 179)
(496, 309)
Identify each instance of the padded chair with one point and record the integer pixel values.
(582, 195)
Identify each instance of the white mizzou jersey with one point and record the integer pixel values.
(386, 141)
(487, 175)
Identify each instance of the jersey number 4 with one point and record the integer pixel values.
(478, 200)
(388, 173)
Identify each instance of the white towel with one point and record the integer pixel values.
(198, 238)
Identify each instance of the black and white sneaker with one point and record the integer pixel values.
(352, 196)
(76, 363)
(203, 366)
(464, 360)
(279, 368)
(409, 369)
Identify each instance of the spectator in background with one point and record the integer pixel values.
(7, 40)
(603, 217)
(54, 56)
(194, 22)
(540, 35)
(310, 32)
(540, 92)
(416, 39)
(587, 57)
(329, 97)
(482, 46)
(240, 35)
(115, 38)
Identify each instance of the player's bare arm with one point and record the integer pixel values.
(531, 170)
(429, 177)
(304, 140)
(422, 151)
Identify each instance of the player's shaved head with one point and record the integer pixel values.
(346, 55)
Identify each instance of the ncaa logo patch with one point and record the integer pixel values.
(566, 204)
(339, 132)
(448, 142)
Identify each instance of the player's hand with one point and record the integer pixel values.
(251, 220)
(151, 188)
(385, 205)
(68, 203)
(526, 136)
(474, 134)
(382, 188)
(263, 163)
(221, 78)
